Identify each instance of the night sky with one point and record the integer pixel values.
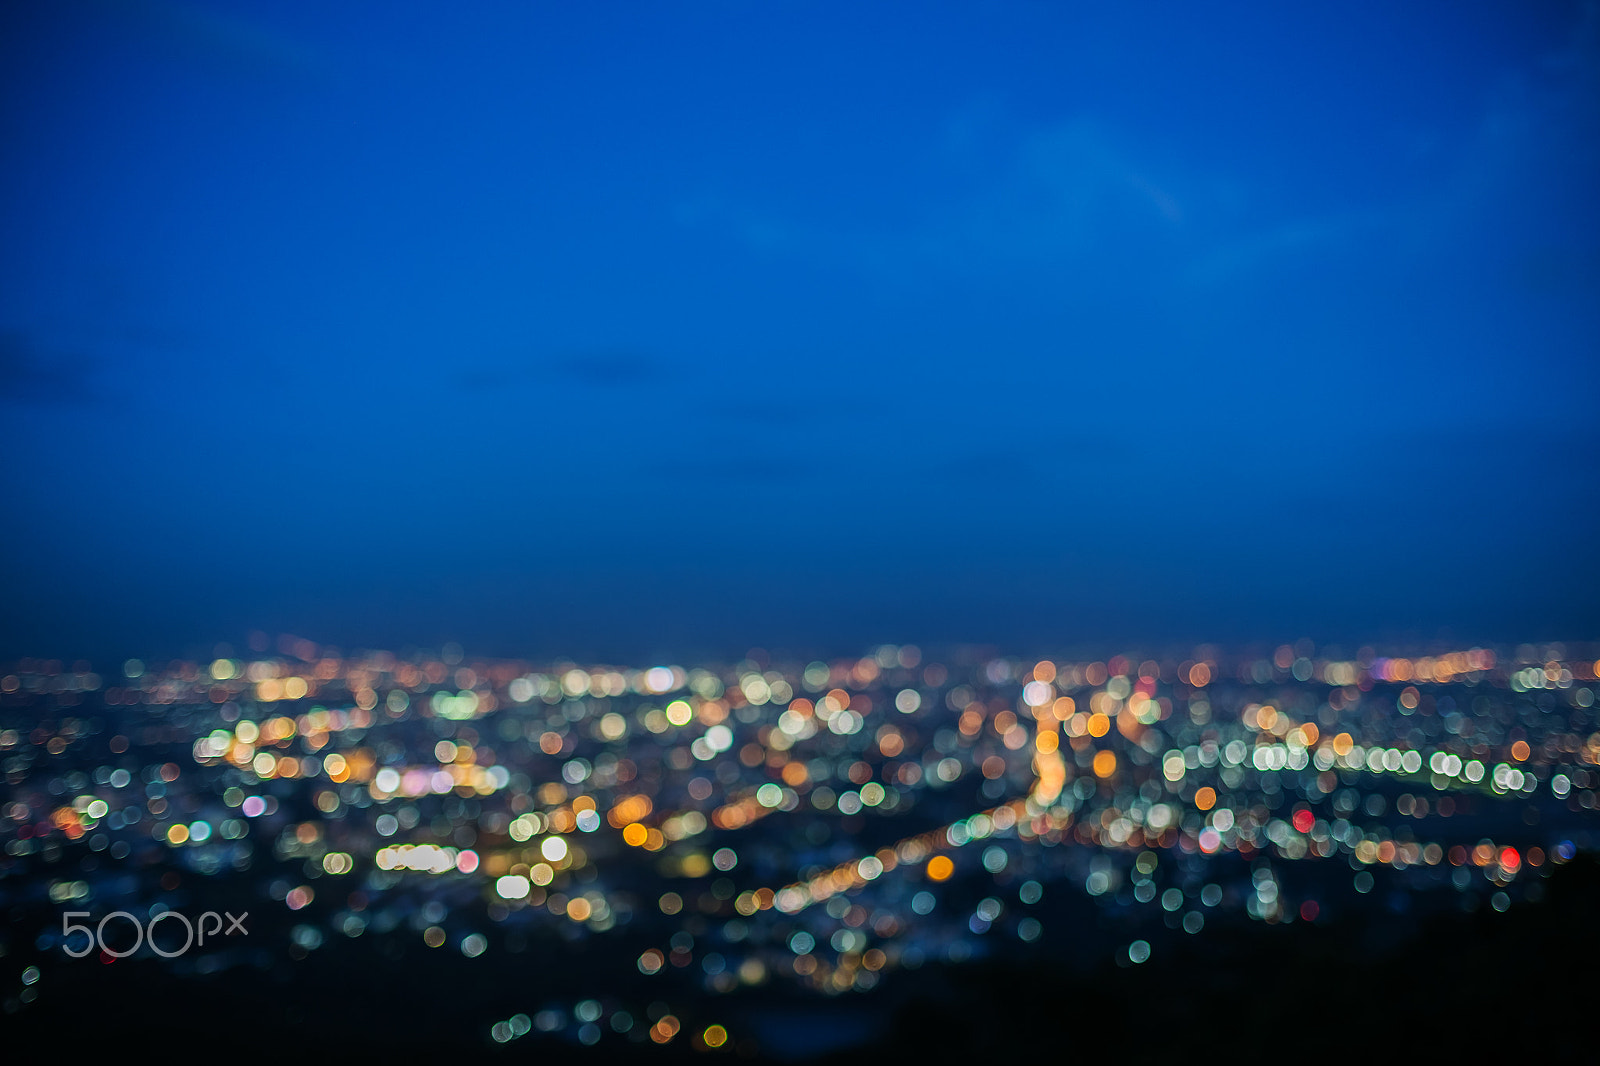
(636, 329)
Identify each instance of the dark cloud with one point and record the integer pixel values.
(203, 34)
(30, 376)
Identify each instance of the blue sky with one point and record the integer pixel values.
(690, 327)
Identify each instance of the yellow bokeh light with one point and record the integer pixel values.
(1205, 798)
(1105, 764)
(940, 867)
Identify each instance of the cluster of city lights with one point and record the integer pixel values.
(823, 822)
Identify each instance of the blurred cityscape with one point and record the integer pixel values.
(490, 378)
(713, 857)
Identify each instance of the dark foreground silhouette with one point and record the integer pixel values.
(1310, 992)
